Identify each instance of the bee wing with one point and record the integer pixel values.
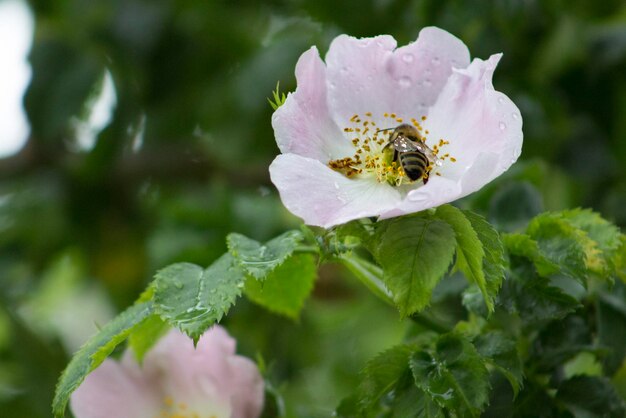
(403, 144)
(427, 151)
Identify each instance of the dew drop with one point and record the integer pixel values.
(179, 285)
(408, 58)
(502, 126)
(500, 100)
(336, 185)
(404, 82)
(416, 197)
(515, 116)
(435, 61)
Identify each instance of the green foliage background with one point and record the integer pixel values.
(192, 78)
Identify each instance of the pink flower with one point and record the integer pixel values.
(334, 165)
(175, 381)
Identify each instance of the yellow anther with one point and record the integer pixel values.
(368, 114)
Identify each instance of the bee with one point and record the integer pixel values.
(415, 157)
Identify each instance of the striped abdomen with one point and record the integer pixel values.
(414, 164)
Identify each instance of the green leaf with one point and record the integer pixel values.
(453, 375)
(469, 249)
(560, 341)
(563, 244)
(382, 373)
(411, 402)
(259, 260)
(493, 263)
(601, 257)
(611, 326)
(349, 407)
(286, 288)
(415, 252)
(524, 246)
(532, 297)
(145, 335)
(501, 352)
(192, 298)
(587, 397)
(278, 98)
(95, 351)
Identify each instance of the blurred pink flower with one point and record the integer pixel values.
(175, 381)
(334, 117)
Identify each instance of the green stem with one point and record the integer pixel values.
(371, 276)
(307, 249)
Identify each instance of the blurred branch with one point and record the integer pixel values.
(167, 162)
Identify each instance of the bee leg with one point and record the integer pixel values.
(425, 178)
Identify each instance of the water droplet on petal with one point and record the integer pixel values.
(435, 61)
(179, 285)
(408, 58)
(405, 82)
(502, 126)
(515, 116)
(336, 185)
(500, 100)
(417, 197)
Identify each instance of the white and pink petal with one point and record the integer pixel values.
(112, 390)
(303, 125)
(323, 197)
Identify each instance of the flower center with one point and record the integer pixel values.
(179, 410)
(397, 153)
